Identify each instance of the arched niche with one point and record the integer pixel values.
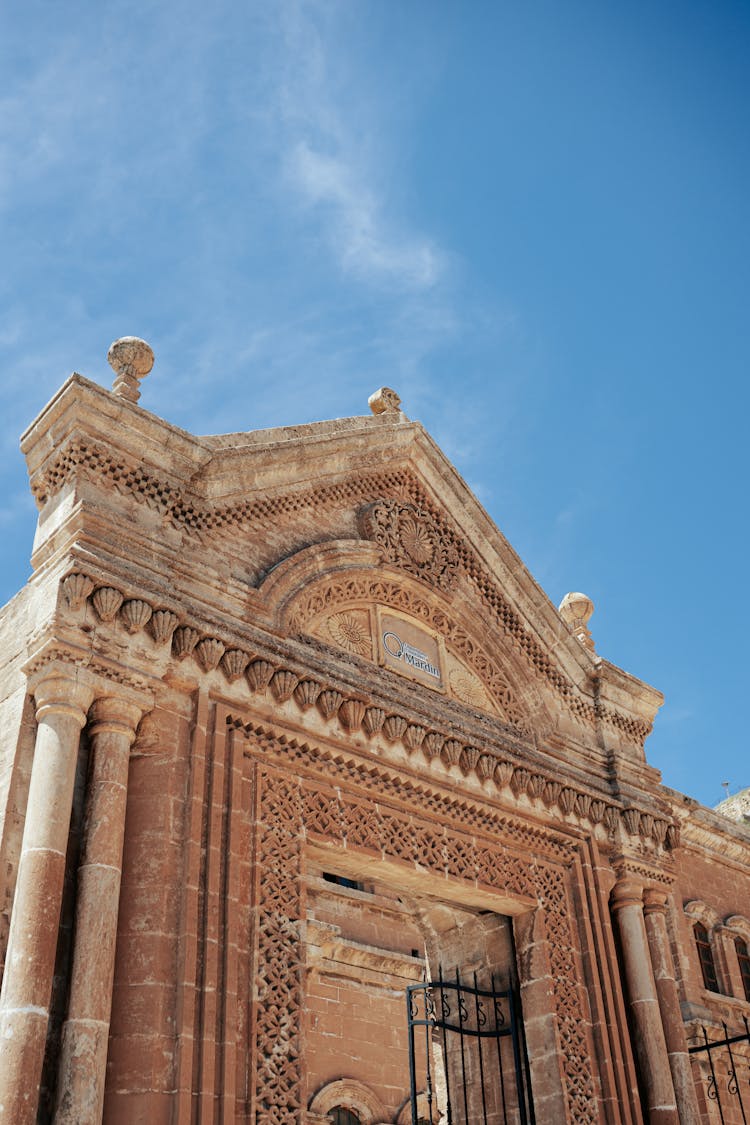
(348, 1093)
(340, 595)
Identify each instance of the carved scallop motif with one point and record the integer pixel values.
(520, 780)
(135, 614)
(209, 652)
(394, 727)
(184, 641)
(596, 812)
(503, 772)
(258, 674)
(567, 799)
(536, 785)
(162, 625)
(434, 743)
(469, 758)
(583, 804)
(107, 601)
(329, 702)
(632, 819)
(307, 692)
(373, 720)
(414, 736)
(611, 817)
(77, 588)
(659, 831)
(486, 766)
(551, 793)
(351, 713)
(452, 751)
(283, 684)
(233, 663)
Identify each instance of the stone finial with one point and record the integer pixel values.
(575, 610)
(384, 401)
(131, 360)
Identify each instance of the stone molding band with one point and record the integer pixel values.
(355, 713)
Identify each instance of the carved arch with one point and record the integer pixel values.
(739, 925)
(350, 1094)
(334, 577)
(699, 911)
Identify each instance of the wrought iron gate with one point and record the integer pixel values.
(727, 1073)
(467, 1053)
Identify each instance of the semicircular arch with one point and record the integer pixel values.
(330, 591)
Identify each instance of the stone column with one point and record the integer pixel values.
(83, 1057)
(650, 1045)
(655, 913)
(62, 696)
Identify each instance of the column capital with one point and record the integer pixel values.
(118, 714)
(62, 689)
(627, 891)
(655, 900)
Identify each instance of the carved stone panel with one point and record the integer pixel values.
(291, 811)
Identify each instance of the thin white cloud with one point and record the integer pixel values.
(333, 169)
(358, 228)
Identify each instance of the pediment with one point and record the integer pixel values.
(223, 516)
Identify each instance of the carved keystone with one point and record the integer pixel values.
(131, 359)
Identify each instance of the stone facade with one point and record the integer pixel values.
(286, 726)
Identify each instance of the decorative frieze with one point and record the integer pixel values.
(354, 713)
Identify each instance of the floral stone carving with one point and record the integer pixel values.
(411, 539)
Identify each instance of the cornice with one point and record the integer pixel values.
(497, 757)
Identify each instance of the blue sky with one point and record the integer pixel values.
(530, 219)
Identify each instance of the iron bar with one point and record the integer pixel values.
(461, 1010)
(497, 1010)
(445, 1011)
(481, 1020)
(442, 1007)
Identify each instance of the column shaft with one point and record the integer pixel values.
(669, 1006)
(85, 1037)
(650, 1045)
(62, 702)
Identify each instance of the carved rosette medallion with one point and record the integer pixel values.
(352, 630)
(411, 539)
